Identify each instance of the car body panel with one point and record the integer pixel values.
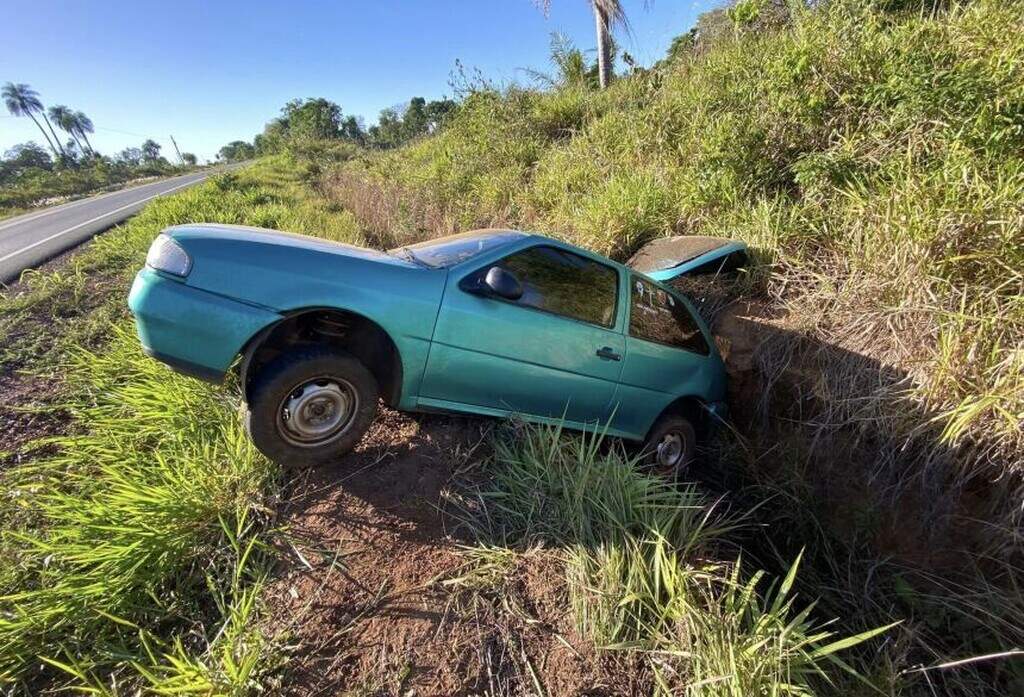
(427, 404)
(670, 257)
(199, 332)
(287, 273)
(459, 351)
(654, 376)
(493, 353)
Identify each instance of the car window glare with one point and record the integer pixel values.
(454, 249)
(566, 284)
(657, 315)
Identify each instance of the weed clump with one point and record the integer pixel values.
(641, 569)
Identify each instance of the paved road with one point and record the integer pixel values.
(29, 240)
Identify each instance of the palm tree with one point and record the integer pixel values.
(84, 125)
(607, 15)
(55, 138)
(22, 100)
(65, 120)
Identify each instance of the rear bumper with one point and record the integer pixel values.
(193, 331)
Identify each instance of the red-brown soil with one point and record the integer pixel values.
(360, 592)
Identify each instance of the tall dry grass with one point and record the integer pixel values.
(873, 158)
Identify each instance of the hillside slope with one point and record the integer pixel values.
(874, 160)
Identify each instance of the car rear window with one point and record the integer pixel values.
(558, 281)
(657, 315)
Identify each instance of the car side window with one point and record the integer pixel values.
(560, 282)
(655, 315)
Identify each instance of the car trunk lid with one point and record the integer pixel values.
(668, 257)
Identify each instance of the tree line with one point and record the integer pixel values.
(304, 122)
(21, 100)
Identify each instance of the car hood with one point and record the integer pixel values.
(204, 233)
(283, 271)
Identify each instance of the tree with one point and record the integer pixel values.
(312, 119)
(130, 156)
(402, 123)
(150, 150)
(571, 67)
(304, 122)
(607, 15)
(438, 112)
(65, 120)
(29, 154)
(388, 131)
(273, 138)
(352, 129)
(22, 159)
(235, 151)
(22, 100)
(83, 124)
(189, 159)
(414, 121)
(73, 153)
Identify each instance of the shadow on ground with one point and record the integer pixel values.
(361, 592)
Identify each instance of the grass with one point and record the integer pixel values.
(136, 545)
(135, 549)
(871, 155)
(643, 570)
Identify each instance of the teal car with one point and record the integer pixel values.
(489, 322)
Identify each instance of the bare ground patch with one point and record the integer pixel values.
(370, 594)
(31, 345)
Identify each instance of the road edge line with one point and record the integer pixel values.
(93, 220)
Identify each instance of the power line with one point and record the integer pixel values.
(98, 128)
(126, 133)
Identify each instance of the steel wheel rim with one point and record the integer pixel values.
(317, 411)
(669, 451)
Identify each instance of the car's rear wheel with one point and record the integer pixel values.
(671, 446)
(310, 406)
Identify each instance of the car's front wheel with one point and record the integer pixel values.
(310, 406)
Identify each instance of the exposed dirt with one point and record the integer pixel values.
(365, 590)
(24, 416)
(30, 378)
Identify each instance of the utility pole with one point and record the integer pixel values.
(180, 158)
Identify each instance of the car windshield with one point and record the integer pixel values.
(448, 251)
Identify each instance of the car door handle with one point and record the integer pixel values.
(608, 354)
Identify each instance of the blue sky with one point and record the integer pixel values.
(209, 72)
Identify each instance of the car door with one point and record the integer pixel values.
(557, 350)
(667, 356)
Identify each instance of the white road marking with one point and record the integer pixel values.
(93, 220)
(57, 209)
(71, 204)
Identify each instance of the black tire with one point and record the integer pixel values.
(335, 394)
(667, 432)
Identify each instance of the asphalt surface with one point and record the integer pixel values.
(29, 240)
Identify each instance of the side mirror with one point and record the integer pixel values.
(500, 282)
